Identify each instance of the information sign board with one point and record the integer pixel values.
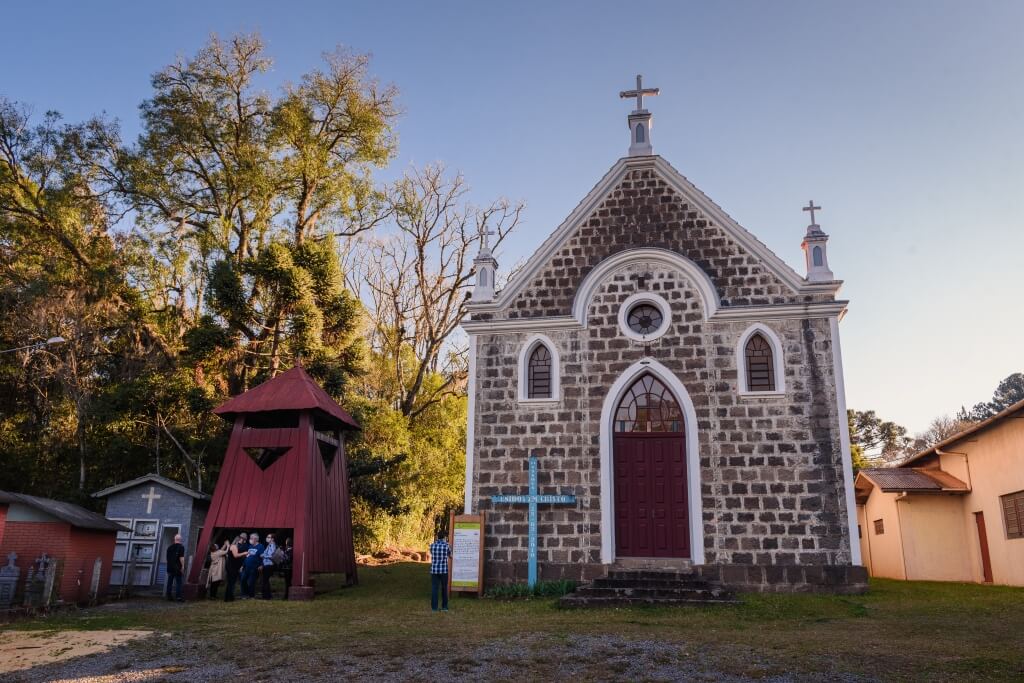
(466, 537)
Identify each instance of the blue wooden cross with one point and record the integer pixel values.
(532, 499)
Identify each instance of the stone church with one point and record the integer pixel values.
(678, 378)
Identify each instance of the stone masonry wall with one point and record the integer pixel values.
(770, 467)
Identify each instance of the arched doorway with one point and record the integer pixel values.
(652, 517)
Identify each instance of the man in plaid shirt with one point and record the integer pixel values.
(440, 553)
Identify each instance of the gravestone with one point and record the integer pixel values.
(9, 581)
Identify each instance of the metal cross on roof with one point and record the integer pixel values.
(812, 208)
(639, 93)
(532, 499)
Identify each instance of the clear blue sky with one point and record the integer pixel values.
(903, 119)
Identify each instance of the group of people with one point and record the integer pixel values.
(243, 561)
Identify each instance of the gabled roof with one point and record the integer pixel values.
(913, 480)
(678, 182)
(73, 514)
(156, 479)
(291, 390)
(1012, 411)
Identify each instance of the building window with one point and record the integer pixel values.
(879, 527)
(538, 370)
(1013, 514)
(817, 257)
(760, 364)
(539, 373)
(759, 361)
(644, 316)
(648, 406)
(640, 137)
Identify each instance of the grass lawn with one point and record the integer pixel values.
(898, 631)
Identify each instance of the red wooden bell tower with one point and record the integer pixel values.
(285, 469)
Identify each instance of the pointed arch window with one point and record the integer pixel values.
(538, 370)
(759, 362)
(641, 136)
(538, 373)
(648, 406)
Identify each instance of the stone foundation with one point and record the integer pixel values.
(844, 579)
(839, 578)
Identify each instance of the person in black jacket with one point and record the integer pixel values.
(286, 566)
(237, 553)
(175, 567)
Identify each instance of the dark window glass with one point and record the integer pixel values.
(539, 373)
(644, 318)
(760, 364)
(1013, 514)
(879, 527)
(648, 406)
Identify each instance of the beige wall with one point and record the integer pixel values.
(996, 459)
(886, 550)
(865, 545)
(934, 537)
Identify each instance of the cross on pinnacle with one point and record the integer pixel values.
(812, 208)
(639, 93)
(484, 233)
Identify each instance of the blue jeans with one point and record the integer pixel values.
(249, 580)
(171, 580)
(438, 582)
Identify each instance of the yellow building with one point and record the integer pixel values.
(954, 512)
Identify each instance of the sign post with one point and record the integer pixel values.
(532, 499)
(466, 537)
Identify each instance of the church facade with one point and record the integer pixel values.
(678, 378)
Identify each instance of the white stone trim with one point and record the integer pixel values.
(470, 426)
(647, 255)
(778, 362)
(645, 298)
(556, 370)
(844, 442)
(817, 309)
(691, 432)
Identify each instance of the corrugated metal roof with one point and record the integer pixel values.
(911, 479)
(73, 514)
(156, 478)
(291, 390)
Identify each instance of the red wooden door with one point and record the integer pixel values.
(986, 562)
(651, 506)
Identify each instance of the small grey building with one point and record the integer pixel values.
(154, 508)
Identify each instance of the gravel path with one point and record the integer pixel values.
(160, 658)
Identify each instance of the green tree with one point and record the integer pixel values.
(1009, 391)
(874, 440)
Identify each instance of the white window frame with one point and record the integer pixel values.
(645, 298)
(778, 362)
(524, 370)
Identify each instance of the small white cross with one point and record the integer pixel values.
(812, 208)
(639, 93)
(152, 495)
(484, 233)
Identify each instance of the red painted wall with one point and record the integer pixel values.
(295, 492)
(78, 548)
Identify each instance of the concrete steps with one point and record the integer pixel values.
(648, 587)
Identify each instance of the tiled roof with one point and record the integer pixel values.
(291, 390)
(156, 478)
(913, 479)
(73, 514)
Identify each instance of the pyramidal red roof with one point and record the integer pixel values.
(291, 390)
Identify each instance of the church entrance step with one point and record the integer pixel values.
(648, 587)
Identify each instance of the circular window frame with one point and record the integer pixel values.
(645, 298)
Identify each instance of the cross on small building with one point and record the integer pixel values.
(532, 499)
(484, 234)
(812, 208)
(151, 496)
(639, 93)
